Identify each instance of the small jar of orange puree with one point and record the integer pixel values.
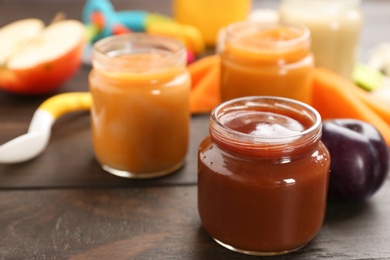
(140, 114)
(266, 59)
(263, 175)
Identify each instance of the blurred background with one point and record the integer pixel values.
(72, 9)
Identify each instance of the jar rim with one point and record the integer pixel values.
(324, 5)
(111, 50)
(246, 27)
(262, 101)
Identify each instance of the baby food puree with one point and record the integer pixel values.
(263, 175)
(265, 59)
(140, 113)
(335, 30)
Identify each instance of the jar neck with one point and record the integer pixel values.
(278, 43)
(138, 53)
(267, 139)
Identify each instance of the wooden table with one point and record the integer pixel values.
(63, 205)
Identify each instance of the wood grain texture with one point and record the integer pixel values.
(163, 223)
(68, 161)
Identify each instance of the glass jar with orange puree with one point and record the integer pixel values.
(263, 175)
(140, 114)
(266, 59)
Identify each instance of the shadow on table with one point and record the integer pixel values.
(341, 211)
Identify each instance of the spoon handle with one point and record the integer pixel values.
(61, 104)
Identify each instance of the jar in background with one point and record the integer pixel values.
(140, 114)
(263, 175)
(335, 27)
(209, 16)
(266, 59)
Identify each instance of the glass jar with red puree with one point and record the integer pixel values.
(263, 175)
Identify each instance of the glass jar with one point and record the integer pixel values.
(209, 16)
(266, 59)
(140, 114)
(335, 27)
(263, 175)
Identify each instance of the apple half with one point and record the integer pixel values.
(35, 59)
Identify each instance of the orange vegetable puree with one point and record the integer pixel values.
(140, 117)
(274, 61)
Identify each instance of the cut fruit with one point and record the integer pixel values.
(41, 62)
(14, 35)
(367, 77)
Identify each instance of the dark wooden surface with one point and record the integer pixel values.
(63, 206)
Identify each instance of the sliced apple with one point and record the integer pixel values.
(16, 34)
(38, 59)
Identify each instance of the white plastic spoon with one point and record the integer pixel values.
(31, 144)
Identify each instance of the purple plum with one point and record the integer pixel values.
(359, 159)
